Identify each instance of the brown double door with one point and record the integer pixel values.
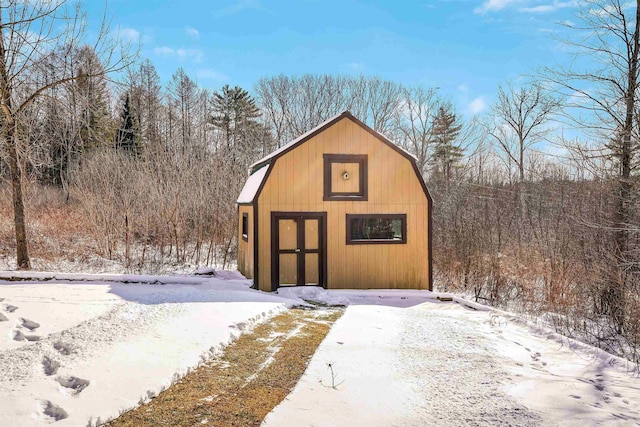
(298, 249)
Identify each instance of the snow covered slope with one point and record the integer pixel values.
(405, 362)
(77, 351)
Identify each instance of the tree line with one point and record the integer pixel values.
(155, 168)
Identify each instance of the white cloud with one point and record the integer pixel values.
(492, 6)
(196, 54)
(127, 34)
(547, 8)
(477, 106)
(463, 88)
(209, 74)
(192, 32)
(355, 66)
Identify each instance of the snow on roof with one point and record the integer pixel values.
(297, 140)
(252, 185)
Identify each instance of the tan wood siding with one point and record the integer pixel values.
(295, 184)
(245, 248)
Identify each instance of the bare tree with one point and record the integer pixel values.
(604, 104)
(415, 123)
(519, 119)
(375, 101)
(293, 105)
(30, 30)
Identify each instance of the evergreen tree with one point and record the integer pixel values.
(233, 111)
(96, 124)
(234, 115)
(127, 138)
(447, 152)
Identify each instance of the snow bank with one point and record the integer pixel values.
(391, 297)
(71, 352)
(445, 364)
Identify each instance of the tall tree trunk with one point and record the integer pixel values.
(22, 253)
(622, 213)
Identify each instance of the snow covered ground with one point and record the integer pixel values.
(73, 350)
(400, 361)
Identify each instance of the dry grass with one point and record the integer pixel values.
(57, 229)
(252, 376)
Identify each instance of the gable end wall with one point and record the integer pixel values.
(295, 184)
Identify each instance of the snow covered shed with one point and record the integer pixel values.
(340, 207)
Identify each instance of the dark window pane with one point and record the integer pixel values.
(245, 225)
(376, 229)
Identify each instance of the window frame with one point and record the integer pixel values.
(362, 161)
(245, 226)
(403, 221)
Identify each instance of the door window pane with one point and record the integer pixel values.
(311, 234)
(312, 276)
(288, 269)
(288, 231)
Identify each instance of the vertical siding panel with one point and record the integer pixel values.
(271, 188)
(315, 169)
(265, 197)
(304, 181)
(344, 144)
(339, 247)
(423, 260)
(330, 139)
(414, 247)
(386, 171)
(374, 172)
(264, 247)
(295, 172)
(384, 262)
(393, 180)
(282, 184)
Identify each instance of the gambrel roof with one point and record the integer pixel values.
(259, 171)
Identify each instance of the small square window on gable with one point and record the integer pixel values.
(345, 177)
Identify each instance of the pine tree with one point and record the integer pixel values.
(96, 124)
(447, 152)
(233, 112)
(127, 138)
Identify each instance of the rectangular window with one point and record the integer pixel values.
(366, 229)
(345, 177)
(245, 227)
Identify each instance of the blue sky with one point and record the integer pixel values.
(464, 47)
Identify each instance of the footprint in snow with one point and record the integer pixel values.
(10, 308)
(19, 336)
(63, 348)
(3, 318)
(29, 324)
(52, 410)
(74, 383)
(50, 366)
